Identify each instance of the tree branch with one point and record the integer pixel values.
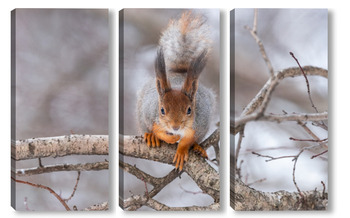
(46, 188)
(254, 33)
(135, 202)
(157, 183)
(302, 117)
(63, 167)
(57, 147)
(98, 207)
(246, 198)
(60, 146)
(206, 177)
(260, 101)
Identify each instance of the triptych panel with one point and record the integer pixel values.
(171, 93)
(279, 104)
(59, 102)
(170, 70)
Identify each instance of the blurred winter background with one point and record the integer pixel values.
(142, 29)
(305, 33)
(61, 68)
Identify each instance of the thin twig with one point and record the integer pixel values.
(74, 189)
(239, 170)
(191, 192)
(324, 189)
(272, 158)
(294, 168)
(312, 134)
(254, 33)
(295, 159)
(257, 181)
(316, 155)
(238, 148)
(308, 140)
(146, 189)
(307, 82)
(321, 123)
(46, 188)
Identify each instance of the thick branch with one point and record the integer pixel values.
(98, 207)
(135, 201)
(60, 146)
(246, 198)
(206, 177)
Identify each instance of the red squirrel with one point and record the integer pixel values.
(175, 107)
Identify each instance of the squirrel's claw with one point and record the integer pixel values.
(151, 140)
(199, 150)
(181, 156)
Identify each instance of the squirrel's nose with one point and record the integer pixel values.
(175, 128)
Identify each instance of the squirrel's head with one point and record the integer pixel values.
(177, 107)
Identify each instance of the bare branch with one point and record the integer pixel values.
(294, 168)
(270, 158)
(60, 146)
(135, 201)
(312, 134)
(157, 183)
(254, 34)
(213, 139)
(307, 82)
(273, 82)
(63, 167)
(46, 188)
(259, 103)
(206, 177)
(74, 189)
(295, 159)
(283, 117)
(238, 148)
(246, 198)
(319, 154)
(98, 207)
(308, 140)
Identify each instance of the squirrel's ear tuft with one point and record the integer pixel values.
(196, 67)
(162, 83)
(198, 64)
(159, 64)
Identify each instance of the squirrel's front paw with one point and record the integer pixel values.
(199, 150)
(181, 156)
(151, 140)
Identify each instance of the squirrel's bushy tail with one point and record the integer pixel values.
(184, 40)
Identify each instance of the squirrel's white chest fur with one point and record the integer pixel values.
(180, 132)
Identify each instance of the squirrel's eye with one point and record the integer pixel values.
(189, 111)
(162, 111)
